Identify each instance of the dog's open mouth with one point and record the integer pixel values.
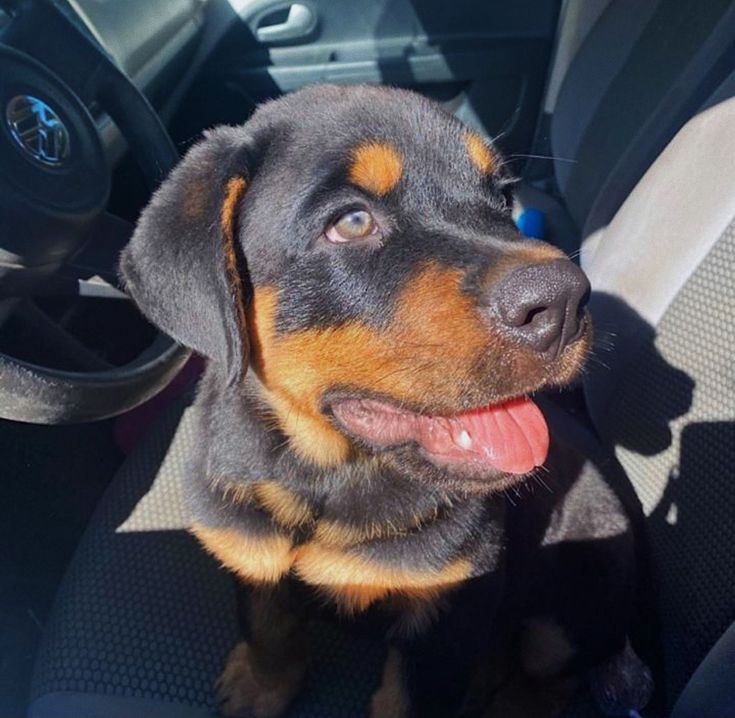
(511, 437)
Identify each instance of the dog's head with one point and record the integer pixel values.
(355, 248)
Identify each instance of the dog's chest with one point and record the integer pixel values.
(354, 557)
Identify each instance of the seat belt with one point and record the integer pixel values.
(710, 692)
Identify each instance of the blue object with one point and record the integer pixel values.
(532, 223)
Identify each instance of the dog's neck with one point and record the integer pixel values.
(253, 498)
(246, 449)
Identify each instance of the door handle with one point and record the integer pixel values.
(299, 22)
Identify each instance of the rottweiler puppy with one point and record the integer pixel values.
(375, 325)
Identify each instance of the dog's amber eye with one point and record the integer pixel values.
(357, 224)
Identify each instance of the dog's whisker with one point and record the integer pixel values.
(602, 346)
(596, 360)
(417, 369)
(509, 498)
(556, 158)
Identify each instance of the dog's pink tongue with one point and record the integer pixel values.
(511, 437)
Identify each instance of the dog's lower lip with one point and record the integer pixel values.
(510, 437)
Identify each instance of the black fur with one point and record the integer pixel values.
(564, 554)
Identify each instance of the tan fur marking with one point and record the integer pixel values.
(391, 699)
(310, 435)
(376, 167)
(480, 154)
(428, 356)
(287, 509)
(355, 582)
(233, 492)
(335, 533)
(431, 313)
(234, 192)
(228, 219)
(352, 600)
(262, 559)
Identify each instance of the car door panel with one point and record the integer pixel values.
(486, 61)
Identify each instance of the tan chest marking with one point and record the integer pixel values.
(355, 582)
(255, 559)
(328, 561)
(352, 581)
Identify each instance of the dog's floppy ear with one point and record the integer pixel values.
(184, 265)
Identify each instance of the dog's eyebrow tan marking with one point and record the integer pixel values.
(480, 154)
(376, 167)
(234, 192)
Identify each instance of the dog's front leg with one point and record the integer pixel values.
(419, 683)
(263, 674)
(391, 699)
(435, 651)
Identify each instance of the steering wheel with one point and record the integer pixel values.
(56, 239)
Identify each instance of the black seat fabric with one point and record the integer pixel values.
(142, 614)
(144, 619)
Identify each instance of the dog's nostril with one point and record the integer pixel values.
(541, 305)
(533, 315)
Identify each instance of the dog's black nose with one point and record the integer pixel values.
(542, 305)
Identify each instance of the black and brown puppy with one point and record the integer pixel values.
(354, 247)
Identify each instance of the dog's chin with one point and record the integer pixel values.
(489, 448)
(462, 477)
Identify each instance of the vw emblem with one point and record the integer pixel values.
(37, 130)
